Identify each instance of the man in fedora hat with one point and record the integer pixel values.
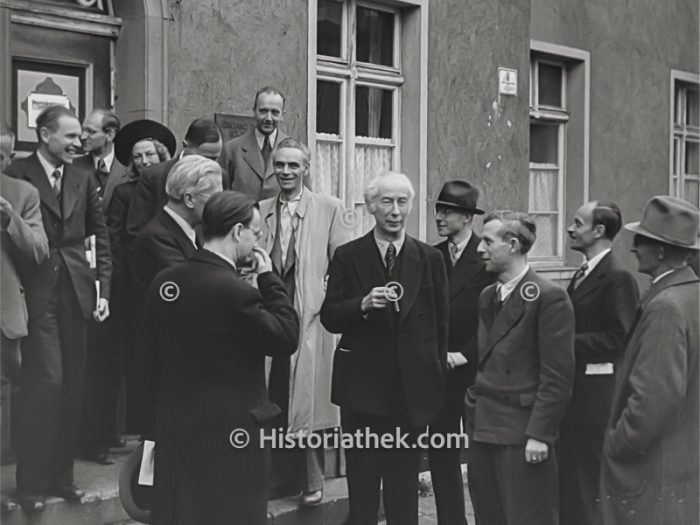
(649, 473)
(455, 208)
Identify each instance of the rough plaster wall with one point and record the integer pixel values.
(222, 51)
(472, 133)
(634, 45)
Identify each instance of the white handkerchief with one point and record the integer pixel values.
(599, 369)
(147, 463)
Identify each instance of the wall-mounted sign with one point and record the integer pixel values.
(38, 102)
(507, 81)
(233, 126)
(37, 85)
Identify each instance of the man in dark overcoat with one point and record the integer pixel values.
(211, 331)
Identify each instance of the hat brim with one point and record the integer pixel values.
(140, 130)
(128, 476)
(635, 227)
(475, 211)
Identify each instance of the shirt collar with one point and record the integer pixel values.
(189, 231)
(384, 245)
(48, 167)
(462, 245)
(109, 160)
(506, 289)
(292, 204)
(593, 261)
(661, 276)
(261, 138)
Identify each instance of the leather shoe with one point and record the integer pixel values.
(68, 492)
(32, 502)
(311, 499)
(100, 457)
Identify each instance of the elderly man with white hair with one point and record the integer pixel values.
(387, 297)
(168, 239)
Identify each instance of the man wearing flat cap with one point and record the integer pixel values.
(649, 473)
(455, 208)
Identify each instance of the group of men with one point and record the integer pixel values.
(255, 307)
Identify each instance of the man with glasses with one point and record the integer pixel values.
(169, 238)
(455, 208)
(389, 367)
(203, 138)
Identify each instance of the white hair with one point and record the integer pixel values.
(191, 174)
(372, 188)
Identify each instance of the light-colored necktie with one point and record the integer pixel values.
(56, 175)
(454, 253)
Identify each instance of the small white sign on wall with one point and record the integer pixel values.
(507, 81)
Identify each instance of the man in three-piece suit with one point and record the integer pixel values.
(247, 160)
(203, 138)
(651, 449)
(211, 331)
(103, 366)
(61, 296)
(168, 239)
(523, 381)
(389, 367)
(604, 295)
(455, 208)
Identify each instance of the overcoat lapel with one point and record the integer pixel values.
(70, 190)
(592, 282)
(412, 267)
(467, 266)
(253, 156)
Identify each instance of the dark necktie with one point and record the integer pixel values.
(578, 276)
(102, 173)
(57, 183)
(390, 258)
(266, 150)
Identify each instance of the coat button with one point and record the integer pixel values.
(55, 268)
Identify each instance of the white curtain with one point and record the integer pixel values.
(325, 178)
(544, 198)
(370, 160)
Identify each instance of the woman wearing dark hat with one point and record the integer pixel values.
(137, 145)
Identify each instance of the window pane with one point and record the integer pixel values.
(327, 174)
(692, 187)
(692, 106)
(544, 190)
(375, 36)
(544, 143)
(549, 78)
(330, 19)
(692, 158)
(674, 187)
(373, 112)
(546, 243)
(328, 107)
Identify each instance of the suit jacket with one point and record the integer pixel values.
(161, 244)
(650, 469)
(384, 349)
(605, 304)
(212, 341)
(149, 196)
(526, 364)
(121, 242)
(23, 248)
(117, 174)
(67, 224)
(467, 278)
(242, 163)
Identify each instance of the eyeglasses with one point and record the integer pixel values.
(442, 213)
(257, 234)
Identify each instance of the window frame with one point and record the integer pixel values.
(680, 82)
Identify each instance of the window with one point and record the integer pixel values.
(358, 89)
(548, 119)
(685, 130)
(559, 146)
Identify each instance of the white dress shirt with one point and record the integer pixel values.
(288, 221)
(457, 249)
(261, 138)
(384, 245)
(49, 168)
(505, 289)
